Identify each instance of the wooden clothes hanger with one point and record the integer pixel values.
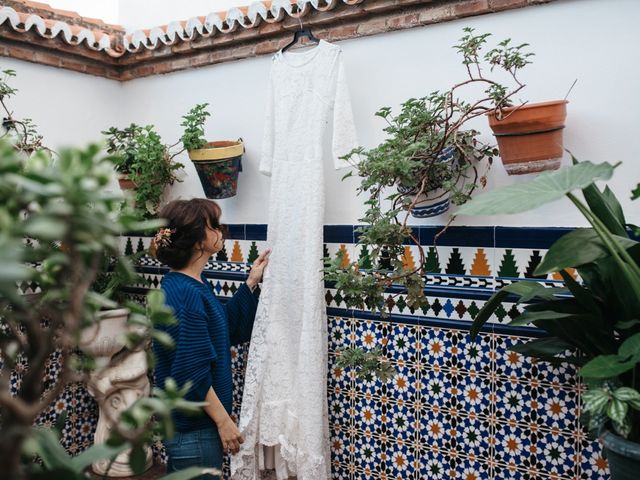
(303, 32)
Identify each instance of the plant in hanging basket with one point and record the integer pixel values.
(144, 163)
(217, 163)
(430, 158)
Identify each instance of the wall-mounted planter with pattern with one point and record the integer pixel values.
(218, 165)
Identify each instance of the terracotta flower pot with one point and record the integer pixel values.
(218, 165)
(125, 183)
(530, 136)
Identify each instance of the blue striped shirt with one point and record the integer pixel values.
(205, 331)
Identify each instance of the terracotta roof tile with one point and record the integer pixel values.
(96, 38)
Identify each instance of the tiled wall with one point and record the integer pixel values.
(455, 408)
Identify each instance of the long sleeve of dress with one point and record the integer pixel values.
(194, 355)
(344, 130)
(268, 136)
(241, 312)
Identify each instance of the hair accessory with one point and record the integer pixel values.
(163, 237)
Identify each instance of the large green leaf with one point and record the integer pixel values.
(581, 294)
(544, 348)
(529, 317)
(606, 207)
(137, 459)
(630, 348)
(46, 445)
(546, 187)
(577, 248)
(485, 313)
(606, 366)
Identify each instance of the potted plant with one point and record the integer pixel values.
(597, 326)
(217, 163)
(430, 158)
(530, 136)
(144, 163)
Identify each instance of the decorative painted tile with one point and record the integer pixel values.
(536, 405)
(370, 453)
(403, 424)
(513, 364)
(467, 469)
(468, 393)
(341, 411)
(460, 352)
(535, 453)
(593, 465)
(349, 250)
(340, 441)
(340, 329)
(402, 341)
(401, 460)
(339, 379)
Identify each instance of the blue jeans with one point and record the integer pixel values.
(199, 448)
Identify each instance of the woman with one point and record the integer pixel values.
(205, 331)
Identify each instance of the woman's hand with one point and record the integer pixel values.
(257, 269)
(230, 435)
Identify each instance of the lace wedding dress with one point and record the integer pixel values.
(285, 399)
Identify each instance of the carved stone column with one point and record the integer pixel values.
(117, 387)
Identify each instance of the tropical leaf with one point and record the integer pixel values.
(606, 207)
(546, 187)
(606, 366)
(630, 348)
(544, 348)
(582, 295)
(529, 317)
(577, 248)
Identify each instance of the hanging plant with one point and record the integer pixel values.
(430, 158)
(144, 163)
(217, 163)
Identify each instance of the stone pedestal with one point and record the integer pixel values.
(115, 388)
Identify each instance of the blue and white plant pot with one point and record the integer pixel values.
(436, 202)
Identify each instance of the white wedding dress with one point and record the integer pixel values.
(284, 403)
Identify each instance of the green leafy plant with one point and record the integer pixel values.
(21, 132)
(193, 123)
(117, 272)
(143, 158)
(429, 146)
(595, 323)
(56, 223)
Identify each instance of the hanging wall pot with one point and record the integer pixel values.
(125, 183)
(218, 165)
(530, 136)
(437, 201)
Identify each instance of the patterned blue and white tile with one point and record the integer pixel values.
(530, 404)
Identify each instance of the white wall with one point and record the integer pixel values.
(69, 108)
(590, 40)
